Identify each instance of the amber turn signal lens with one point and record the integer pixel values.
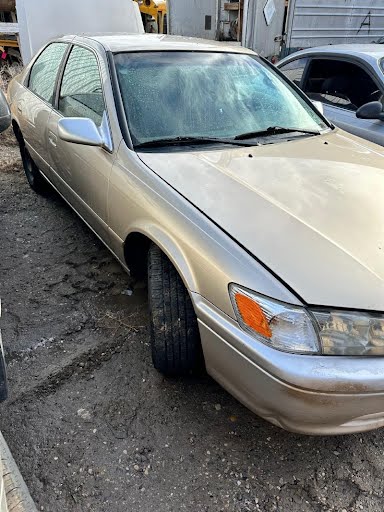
(253, 315)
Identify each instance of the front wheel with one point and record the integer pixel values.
(175, 339)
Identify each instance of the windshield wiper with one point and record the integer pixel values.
(190, 140)
(273, 130)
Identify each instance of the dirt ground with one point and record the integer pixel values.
(94, 427)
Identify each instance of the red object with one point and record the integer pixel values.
(4, 55)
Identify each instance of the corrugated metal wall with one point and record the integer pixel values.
(195, 18)
(320, 22)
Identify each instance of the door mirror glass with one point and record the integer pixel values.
(371, 110)
(319, 106)
(5, 115)
(80, 130)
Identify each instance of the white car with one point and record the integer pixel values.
(348, 80)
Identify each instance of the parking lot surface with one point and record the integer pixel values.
(94, 427)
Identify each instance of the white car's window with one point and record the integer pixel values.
(42, 78)
(199, 94)
(294, 70)
(340, 83)
(81, 92)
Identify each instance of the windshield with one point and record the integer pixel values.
(212, 95)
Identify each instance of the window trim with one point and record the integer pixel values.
(339, 57)
(27, 79)
(61, 73)
(60, 77)
(118, 101)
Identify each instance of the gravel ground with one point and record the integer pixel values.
(94, 427)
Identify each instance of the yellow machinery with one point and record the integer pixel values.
(156, 9)
(9, 39)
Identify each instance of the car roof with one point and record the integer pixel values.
(122, 42)
(363, 51)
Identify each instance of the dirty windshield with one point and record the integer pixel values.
(213, 95)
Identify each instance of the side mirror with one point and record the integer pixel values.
(79, 130)
(5, 115)
(319, 106)
(371, 110)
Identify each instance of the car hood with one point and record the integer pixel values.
(311, 210)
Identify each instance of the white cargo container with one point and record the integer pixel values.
(271, 25)
(310, 23)
(195, 18)
(319, 22)
(38, 22)
(263, 26)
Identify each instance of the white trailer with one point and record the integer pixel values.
(271, 25)
(38, 22)
(194, 18)
(319, 22)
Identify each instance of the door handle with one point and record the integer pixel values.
(19, 109)
(52, 139)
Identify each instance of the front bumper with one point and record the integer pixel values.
(321, 395)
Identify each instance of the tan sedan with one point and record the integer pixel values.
(258, 224)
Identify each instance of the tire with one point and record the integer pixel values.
(32, 172)
(175, 339)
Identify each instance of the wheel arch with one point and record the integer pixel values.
(17, 131)
(136, 247)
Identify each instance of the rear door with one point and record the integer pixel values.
(81, 173)
(34, 106)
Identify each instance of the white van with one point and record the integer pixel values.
(52, 18)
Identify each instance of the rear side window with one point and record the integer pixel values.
(81, 93)
(294, 70)
(43, 74)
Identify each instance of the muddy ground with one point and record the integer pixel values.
(94, 427)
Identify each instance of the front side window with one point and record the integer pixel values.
(81, 92)
(42, 78)
(340, 83)
(294, 70)
(201, 94)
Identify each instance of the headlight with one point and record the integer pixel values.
(296, 329)
(348, 333)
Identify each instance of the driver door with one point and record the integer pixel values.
(81, 173)
(344, 86)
